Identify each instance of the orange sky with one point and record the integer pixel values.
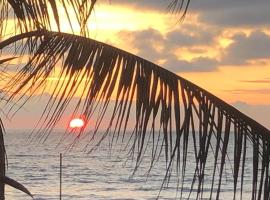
(125, 26)
(232, 81)
(229, 57)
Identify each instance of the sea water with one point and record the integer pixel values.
(105, 173)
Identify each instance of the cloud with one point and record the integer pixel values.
(191, 35)
(245, 48)
(154, 46)
(145, 41)
(258, 112)
(233, 13)
(266, 80)
(149, 4)
(229, 13)
(249, 91)
(214, 17)
(200, 64)
(29, 115)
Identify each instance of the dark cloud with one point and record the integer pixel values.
(194, 35)
(245, 48)
(142, 4)
(258, 112)
(154, 46)
(216, 12)
(233, 13)
(200, 64)
(145, 41)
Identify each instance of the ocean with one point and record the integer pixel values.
(101, 174)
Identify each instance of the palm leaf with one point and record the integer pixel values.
(3, 178)
(2, 61)
(16, 185)
(179, 6)
(177, 114)
(30, 15)
(2, 161)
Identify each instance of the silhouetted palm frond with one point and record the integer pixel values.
(30, 15)
(2, 61)
(172, 115)
(2, 161)
(179, 6)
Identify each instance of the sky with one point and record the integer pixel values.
(222, 46)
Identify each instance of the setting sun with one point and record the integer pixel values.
(76, 123)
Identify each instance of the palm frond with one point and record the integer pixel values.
(30, 15)
(3, 178)
(172, 115)
(2, 61)
(179, 6)
(11, 182)
(2, 161)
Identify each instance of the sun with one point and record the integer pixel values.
(76, 123)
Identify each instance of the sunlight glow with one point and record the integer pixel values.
(76, 123)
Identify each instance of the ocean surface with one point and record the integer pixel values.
(102, 174)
